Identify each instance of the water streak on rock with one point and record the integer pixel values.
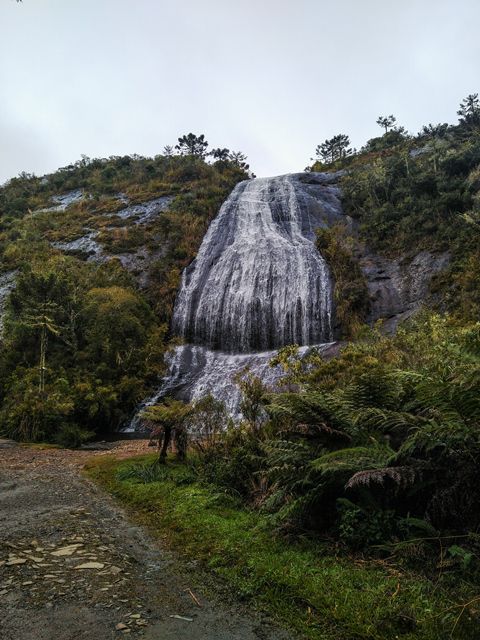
(258, 281)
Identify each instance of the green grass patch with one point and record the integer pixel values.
(303, 584)
(42, 446)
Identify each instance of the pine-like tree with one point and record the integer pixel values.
(386, 122)
(239, 159)
(334, 149)
(220, 155)
(192, 145)
(469, 110)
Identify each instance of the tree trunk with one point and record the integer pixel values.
(167, 435)
(181, 443)
(43, 352)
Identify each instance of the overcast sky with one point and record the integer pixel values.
(272, 78)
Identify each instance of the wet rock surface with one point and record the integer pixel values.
(398, 287)
(85, 244)
(73, 566)
(62, 201)
(258, 282)
(196, 372)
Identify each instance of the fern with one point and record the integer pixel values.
(346, 462)
(400, 476)
(376, 420)
(308, 408)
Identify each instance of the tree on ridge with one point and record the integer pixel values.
(469, 110)
(335, 148)
(192, 145)
(386, 122)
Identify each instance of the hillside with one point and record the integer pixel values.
(411, 198)
(95, 252)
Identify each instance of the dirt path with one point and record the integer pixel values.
(72, 565)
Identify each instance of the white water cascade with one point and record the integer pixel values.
(258, 283)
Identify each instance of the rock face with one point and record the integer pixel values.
(85, 244)
(258, 281)
(398, 287)
(146, 211)
(64, 200)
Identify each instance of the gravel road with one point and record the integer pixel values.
(72, 566)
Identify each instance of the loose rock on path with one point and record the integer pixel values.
(72, 566)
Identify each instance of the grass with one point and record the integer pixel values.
(305, 585)
(39, 445)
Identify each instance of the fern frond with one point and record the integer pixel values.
(353, 459)
(373, 419)
(446, 438)
(401, 476)
(308, 408)
(319, 432)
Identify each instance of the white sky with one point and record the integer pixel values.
(271, 78)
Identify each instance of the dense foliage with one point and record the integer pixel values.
(80, 348)
(84, 338)
(378, 446)
(410, 193)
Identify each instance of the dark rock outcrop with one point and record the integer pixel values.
(398, 287)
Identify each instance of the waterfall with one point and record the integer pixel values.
(258, 283)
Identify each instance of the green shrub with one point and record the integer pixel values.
(359, 528)
(71, 436)
(233, 462)
(148, 472)
(350, 292)
(29, 415)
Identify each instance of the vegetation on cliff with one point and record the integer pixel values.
(86, 328)
(409, 193)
